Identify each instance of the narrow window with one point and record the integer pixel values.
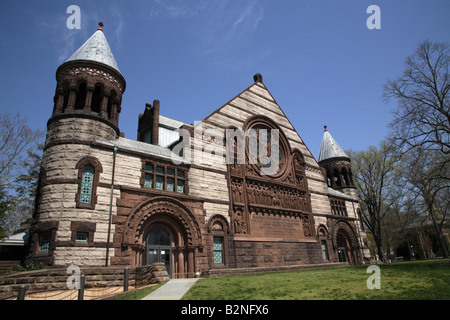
(80, 101)
(159, 178)
(218, 250)
(323, 244)
(148, 176)
(96, 99)
(86, 184)
(180, 181)
(44, 241)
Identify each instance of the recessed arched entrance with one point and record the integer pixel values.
(343, 248)
(345, 243)
(163, 229)
(158, 248)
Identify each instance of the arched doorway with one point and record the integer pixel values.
(342, 248)
(162, 229)
(158, 248)
(345, 243)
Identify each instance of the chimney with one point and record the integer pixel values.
(155, 124)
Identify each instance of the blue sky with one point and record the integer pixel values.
(318, 58)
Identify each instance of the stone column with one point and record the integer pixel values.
(59, 102)
(87, 104)
(180, 263)
(103, 106)
(190, 262)
(71, 102)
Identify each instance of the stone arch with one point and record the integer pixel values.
(218, 223)
(260, 121)
(322, 231)
(344, 233)
(342, 227)
(177, 219)
(164, 206)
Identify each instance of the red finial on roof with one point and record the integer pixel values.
(100, 26)
(325, 127)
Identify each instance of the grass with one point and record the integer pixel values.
(137, 294)
(399, 281)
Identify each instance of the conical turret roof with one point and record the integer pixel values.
(97, 49)
(330, 148)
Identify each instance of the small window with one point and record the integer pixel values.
(159, 183)
(44, 242)
(180, 186)
(323, 244)
(148, 181)
(163, 178)
(86, 184)
(218, 250)
(81, 237)
(170, 184)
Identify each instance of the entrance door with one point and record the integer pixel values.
(341, 249)
(159, 248)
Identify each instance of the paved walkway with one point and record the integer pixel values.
(172, 290)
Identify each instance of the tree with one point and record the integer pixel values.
(427, 175)
(4, 205)
(373, 172)
(18, 145)
(422, 118)
(20, 212)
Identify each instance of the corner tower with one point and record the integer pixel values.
(88, 94)
(73, 199)
(337, 165)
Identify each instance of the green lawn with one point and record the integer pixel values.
(402, 280)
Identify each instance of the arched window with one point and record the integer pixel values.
(97, 98)
(86, 184)
(89, 169)
(337, 178)
(80, 101)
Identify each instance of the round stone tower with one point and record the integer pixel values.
(89, 88)
(73, 194)
(337, 165)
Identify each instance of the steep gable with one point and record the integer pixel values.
(257, 100)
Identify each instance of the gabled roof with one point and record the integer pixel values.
(97, 49)
(330, 148)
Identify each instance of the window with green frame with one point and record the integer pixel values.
(82, 236)
(86, 184)
(218, 249)
(44, 241)
(163, 177)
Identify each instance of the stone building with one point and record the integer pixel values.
(104, 199)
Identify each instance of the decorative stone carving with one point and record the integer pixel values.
(239, 223)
